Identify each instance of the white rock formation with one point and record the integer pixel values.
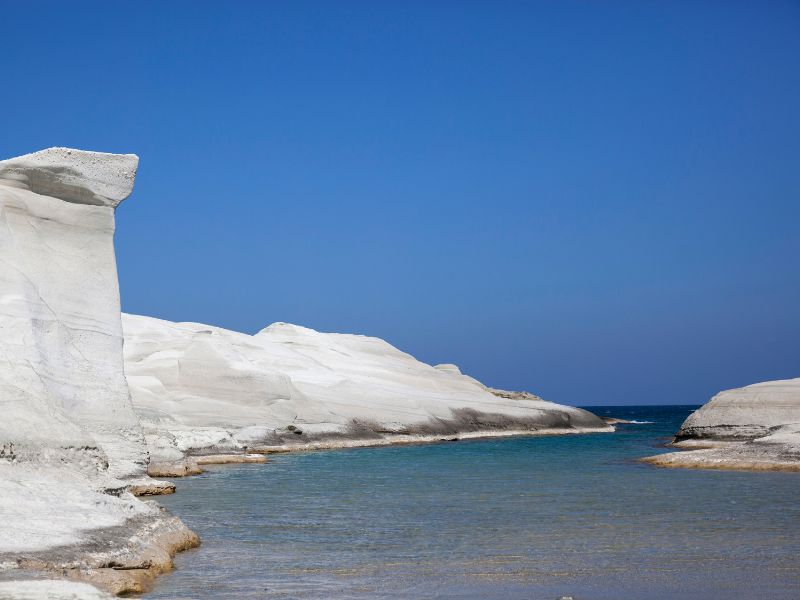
(45, 507)
(198, 387)
(91, 178)
(63, 392)
(745, 413)
(68, 432)
(756, 427)
(50, 589)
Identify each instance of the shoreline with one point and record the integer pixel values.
(747, 456)
(752, 428)
(124, 559)
(128, 558)
(194, 461)
(779, 450)
(402, 439)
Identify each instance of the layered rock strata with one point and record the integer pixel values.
(756, 427)
(202, 390)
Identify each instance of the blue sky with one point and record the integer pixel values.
(595, 201)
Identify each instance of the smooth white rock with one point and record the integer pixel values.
(44, 507)
(50, 589)
(745, 413)
(68, 430)
(205, 387)
(756, 427)
(62, 382)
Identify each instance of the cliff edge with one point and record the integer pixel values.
(70, 441)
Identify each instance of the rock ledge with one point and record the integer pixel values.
(96, 178)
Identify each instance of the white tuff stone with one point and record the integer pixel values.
(94, 178)
(68, 430)
(754, 428)
(62, 382)
(50, 589)
(209, 388)
(745, 413)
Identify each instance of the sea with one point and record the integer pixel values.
(502, 518)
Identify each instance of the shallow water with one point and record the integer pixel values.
(534, 517)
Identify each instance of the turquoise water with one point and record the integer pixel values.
(504, 518)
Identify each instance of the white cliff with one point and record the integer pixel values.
(200, 388)
(756, 427)
(62, 383)
(68, 432)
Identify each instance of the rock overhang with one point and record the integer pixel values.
(77, 176)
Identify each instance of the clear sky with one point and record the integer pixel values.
(595, 201)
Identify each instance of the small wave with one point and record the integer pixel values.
(634, 422)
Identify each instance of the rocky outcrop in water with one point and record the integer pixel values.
(756, 427)
(202, 389)
(745, 413)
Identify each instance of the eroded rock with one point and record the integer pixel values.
(754, 428)
(71, 446)
(203, 390)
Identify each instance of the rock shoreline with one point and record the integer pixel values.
(127, 558)
(191, 464)
(124, 559)
(754, 428)
(200, 389)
